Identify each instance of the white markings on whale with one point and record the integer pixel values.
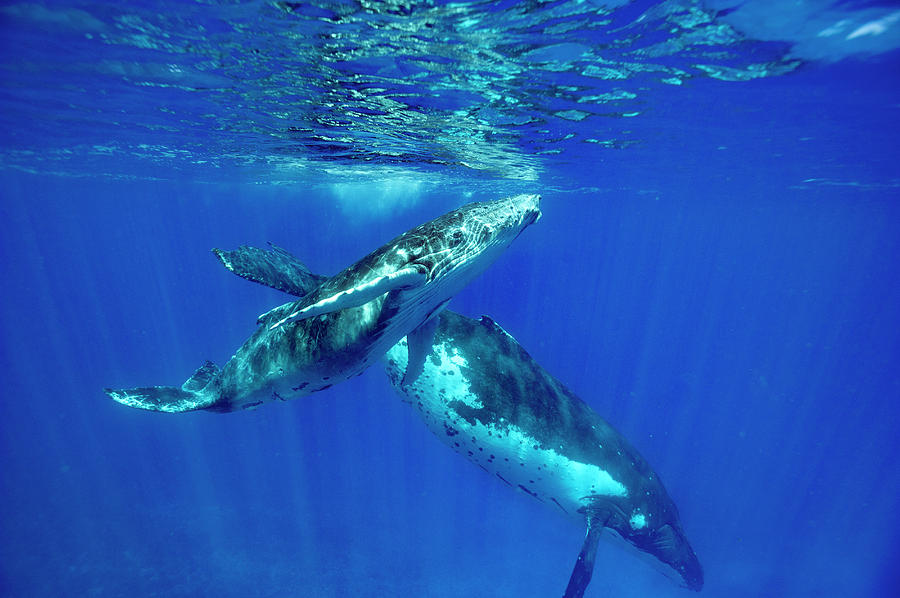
(483, 395)
(526, 464)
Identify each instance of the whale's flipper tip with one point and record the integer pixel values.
(168, 399)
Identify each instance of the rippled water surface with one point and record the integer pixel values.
(715, 273)
(296, 88)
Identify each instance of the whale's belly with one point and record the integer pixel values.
(292, 361)
(443, 397)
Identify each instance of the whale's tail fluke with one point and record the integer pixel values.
(169, 399)
(192, 395)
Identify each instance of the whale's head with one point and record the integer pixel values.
(461, 244)
(421, 269)
(657, 532)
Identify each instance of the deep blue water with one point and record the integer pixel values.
(716, 273)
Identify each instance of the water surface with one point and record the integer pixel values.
(715, 273)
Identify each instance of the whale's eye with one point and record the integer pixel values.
(416, 247)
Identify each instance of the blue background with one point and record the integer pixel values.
(726, 293)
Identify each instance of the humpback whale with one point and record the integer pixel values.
(483, 395)
(340, 325)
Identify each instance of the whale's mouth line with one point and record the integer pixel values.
(479, 231)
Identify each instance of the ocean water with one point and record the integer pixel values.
(717, 273)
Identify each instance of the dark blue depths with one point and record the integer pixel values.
(727, 295)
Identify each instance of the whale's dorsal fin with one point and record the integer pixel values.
(489, 323)
(274, 267)
(406, 278)
(203, 376)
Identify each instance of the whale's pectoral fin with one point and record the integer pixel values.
(406, 278)
(419, 343)
(276, 314)
(584, 566)
(274, 267)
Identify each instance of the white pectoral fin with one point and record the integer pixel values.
(360, 295)
(277, 314)
(419, 343)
